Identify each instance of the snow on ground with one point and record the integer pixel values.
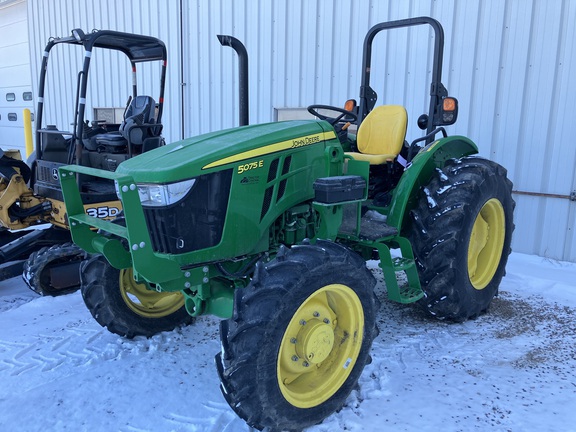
(512, 369)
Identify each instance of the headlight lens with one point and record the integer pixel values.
(161, 195)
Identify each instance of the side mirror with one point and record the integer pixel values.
(423, 121)
(350, 105)
(447, 112)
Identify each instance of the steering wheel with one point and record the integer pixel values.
(345, 115)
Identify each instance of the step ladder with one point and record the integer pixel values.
(371, 230)
(410, 292)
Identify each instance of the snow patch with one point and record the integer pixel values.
(510, 369)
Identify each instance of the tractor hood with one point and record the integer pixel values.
(223, 149)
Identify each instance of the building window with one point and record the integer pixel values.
(109, 115)
(27, 96)
(12, 117)
(10, 97)
(299, 113)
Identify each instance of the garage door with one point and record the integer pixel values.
(15, 76)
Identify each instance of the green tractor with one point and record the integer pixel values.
(269, 227)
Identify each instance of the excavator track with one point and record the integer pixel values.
(54, 270)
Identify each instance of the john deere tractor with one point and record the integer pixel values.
(269, 227)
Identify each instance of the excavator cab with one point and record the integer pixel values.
(97, 144)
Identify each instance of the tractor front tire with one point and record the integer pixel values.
(125, 307)
(461, 232)
(299, 337)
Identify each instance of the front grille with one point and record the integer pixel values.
(267, 201)
(285, 169)
(281, 190)
(273, 171)
(286, 165)
(195, 222)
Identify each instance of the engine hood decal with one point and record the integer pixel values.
(273, 148)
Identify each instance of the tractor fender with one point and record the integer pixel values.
(418, 174)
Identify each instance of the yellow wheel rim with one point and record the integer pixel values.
(486, 243)
(145, 302)
(320, 346)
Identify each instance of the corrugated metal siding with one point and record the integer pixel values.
(509, 62)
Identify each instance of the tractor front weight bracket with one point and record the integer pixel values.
(207, 296)
(148, 266)
(196, 290)
(201, 295)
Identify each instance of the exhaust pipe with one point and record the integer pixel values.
(242, 74)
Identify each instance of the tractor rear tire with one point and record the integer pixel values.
(299, 337)
(461, 232)
(125, 307)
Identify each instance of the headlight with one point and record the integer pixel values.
(161, 195)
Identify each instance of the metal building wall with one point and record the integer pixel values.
(509, 62)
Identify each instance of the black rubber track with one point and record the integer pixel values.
(36, 271)
(262, 311)
(100, 286)
(440, 230)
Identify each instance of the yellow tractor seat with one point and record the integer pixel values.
(381, 134)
